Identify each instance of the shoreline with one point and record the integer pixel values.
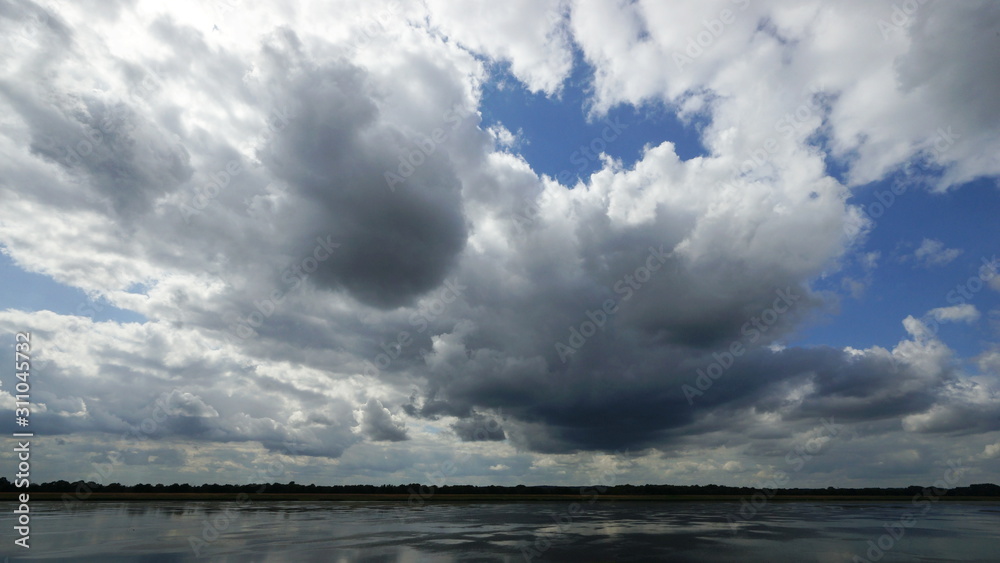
(445, 498)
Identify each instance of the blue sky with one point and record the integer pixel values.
(558, 139)
(515, 309)
(28, 291)
(963, 219)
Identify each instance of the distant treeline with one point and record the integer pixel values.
(979, 490)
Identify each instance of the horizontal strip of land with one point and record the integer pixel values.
(443, 497)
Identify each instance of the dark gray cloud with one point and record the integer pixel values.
(479, 428)
(399, 241)
(619, 396)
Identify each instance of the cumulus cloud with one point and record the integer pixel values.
(378, 424)
(529, 35)
(989, 361)
(180, 403)
(991, 451)
(697, 48)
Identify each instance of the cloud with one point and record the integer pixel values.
(335, 155)
(479, 428)
(956, 313)
(309, 211)
(187, 393)
(647, 51)
(933, 253)
(969, 408)
(180, 403)
(158, 456)
(991, 451)
(989, 361)
(529, 35)
(378, 424)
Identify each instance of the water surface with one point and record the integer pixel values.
(507, 532)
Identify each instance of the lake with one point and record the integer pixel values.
(830, 531)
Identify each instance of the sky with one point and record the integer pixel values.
(529, 242)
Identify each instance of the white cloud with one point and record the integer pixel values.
(933, 253)
(994, 281)
(503, 137)
(870, 259)
(378, 424)
(888, 107)
(991, 451)
(964, 313)
(529, 34)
